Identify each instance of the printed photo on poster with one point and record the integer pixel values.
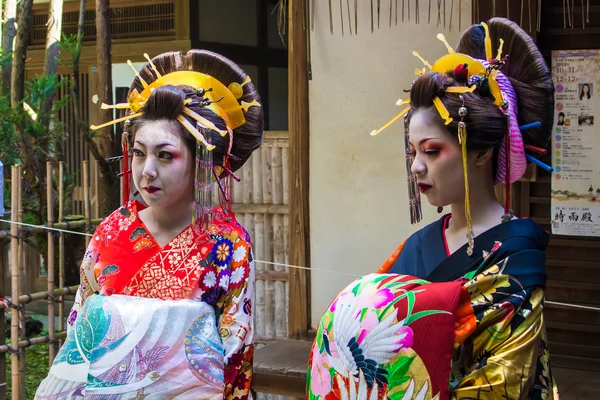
(575, 192)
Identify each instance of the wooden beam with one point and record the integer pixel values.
(299, 293)
(182, 20)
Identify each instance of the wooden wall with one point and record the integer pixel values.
(260, 202)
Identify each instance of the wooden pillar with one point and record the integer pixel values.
(299, 293)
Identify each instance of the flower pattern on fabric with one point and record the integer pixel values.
(365, 347)
(500, 348)
(124, 258)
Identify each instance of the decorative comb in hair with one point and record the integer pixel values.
(221, 99)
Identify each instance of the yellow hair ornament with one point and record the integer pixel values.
(402, 113)
(147, 57)
(245, 105)
(441, 37)
(487, 41)
(442, 110)
(120, 106)
(424, 61)
(190, 128)
(461, 89)
(144, 84)
(116, 121)
(401, 102)
(203, 121)
(499, 56)
(238, 89)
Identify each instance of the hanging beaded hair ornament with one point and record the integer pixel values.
(215, 96)
(485, 77)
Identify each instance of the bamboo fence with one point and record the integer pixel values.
(260, 202)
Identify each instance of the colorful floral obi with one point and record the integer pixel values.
(388, 336)
(125, 347)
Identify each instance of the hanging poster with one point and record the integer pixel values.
(575, 203)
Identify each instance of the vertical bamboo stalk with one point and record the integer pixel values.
(269, 285)
(259, 254)
(14, 245)
(50, 263)
(257, 196)
(86, 198)
(96, 190)
(285, 166)
(61, 246)
(247, 183)
(277, 174)
(266, 175)
(22, 285)
(279, 257)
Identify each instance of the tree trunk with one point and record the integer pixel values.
(103, 47)
(18, 71)
(51, 61)
(106, 140)
(8, 36)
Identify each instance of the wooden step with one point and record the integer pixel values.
(573, 270)
(586, 293)
(574, 350)
(560, 332)
(580, 363)
(556, 313)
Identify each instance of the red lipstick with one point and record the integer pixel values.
(151, 189)
(424, 187)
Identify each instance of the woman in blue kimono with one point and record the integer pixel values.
(468, 123)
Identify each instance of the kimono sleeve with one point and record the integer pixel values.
(236, 327)
(506, 354)
(88, 283)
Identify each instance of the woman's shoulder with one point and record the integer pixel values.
(524, 234)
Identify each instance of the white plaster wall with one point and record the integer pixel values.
(358, 191)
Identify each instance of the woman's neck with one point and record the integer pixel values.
(485, 212)
(173, 218)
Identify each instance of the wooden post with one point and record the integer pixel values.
(61, 246)
(50, 266)
(86, 198)
(14, 245)
(22, 285)
(299, 168)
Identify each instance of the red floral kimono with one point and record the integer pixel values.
(172, 322)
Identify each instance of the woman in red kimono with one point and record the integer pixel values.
(457, 310)
(164, 308)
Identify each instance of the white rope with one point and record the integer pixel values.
(556, 303)
(46, 227)
(589, 308)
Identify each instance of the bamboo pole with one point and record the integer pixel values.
(266, 175)
(247, 184)
(257, 177)
(50, 209)
(33, 341)
(14, 245)
(22, 287)
(28, 298)
(257, 233)
(285, 168)
(67, 225)
(61, 246)
(97, 189)
(279, 257)
(86, 199)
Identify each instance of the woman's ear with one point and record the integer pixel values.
(482, 157)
